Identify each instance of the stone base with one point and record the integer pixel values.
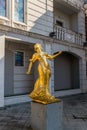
(46, 117)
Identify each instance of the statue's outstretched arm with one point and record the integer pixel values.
(53, 56)
(29, 67)
(31, 64)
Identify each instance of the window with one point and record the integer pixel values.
(19, 10)
(19, 58)
(3, 7)
(59, 23)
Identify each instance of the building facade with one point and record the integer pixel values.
(59, 25)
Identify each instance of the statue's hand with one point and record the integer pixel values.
(60, 52)
(30, 60)
(27, 72)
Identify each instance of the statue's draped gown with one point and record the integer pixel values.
(41, 88)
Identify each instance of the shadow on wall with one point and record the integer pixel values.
(40, 19)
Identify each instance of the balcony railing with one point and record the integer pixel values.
(68, 35)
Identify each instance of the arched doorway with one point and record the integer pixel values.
(66, 72)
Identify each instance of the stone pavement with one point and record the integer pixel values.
(75, 112)
(17, 117)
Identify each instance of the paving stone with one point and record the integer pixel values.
(17, 117)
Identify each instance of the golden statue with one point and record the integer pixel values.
(41, 91)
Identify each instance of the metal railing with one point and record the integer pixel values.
(68, 35)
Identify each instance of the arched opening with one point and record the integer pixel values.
(66, 72)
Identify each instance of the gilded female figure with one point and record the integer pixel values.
(41, 91)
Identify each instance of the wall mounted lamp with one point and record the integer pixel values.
(52, 34)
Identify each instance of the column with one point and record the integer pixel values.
(83, 78)
(2, 59)
(48, 49)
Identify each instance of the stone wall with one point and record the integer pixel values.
(40, 16)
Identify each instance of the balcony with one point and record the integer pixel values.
(68, 35)
(72, 6)
(77, 3)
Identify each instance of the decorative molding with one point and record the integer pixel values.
(20, 26)
(4, 21)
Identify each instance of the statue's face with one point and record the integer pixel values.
(37, 47)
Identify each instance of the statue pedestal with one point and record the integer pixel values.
(46, 117)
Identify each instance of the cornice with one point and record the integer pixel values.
(7, 29)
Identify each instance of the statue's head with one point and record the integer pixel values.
(37, 46)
